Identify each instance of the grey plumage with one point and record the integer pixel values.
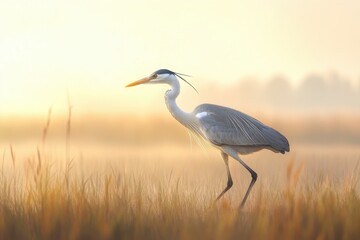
(226, 126)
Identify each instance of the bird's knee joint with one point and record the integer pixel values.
(254, 176)
(229, 183)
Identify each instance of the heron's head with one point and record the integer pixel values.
(160, 76)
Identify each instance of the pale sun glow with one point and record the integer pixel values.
(91, 49)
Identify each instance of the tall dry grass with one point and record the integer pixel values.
(49, 202)
(162, 191)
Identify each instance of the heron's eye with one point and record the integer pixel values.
(154, 76)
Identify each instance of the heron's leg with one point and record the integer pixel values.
(229, 182)
(233, 154)
(253, 180)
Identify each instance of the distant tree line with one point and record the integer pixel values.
(316, 92)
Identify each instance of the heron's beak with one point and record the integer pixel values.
(141, 81)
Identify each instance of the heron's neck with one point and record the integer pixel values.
(170, 99)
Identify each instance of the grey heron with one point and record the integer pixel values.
(230, 131)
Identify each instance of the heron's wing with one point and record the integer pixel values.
(226, 126)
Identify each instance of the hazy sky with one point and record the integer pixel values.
(93, 48)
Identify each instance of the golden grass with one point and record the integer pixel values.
(141, 199)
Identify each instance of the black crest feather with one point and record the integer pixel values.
(166, 71)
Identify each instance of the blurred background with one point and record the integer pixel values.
(294, 65)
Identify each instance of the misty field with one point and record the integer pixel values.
(63, 187)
